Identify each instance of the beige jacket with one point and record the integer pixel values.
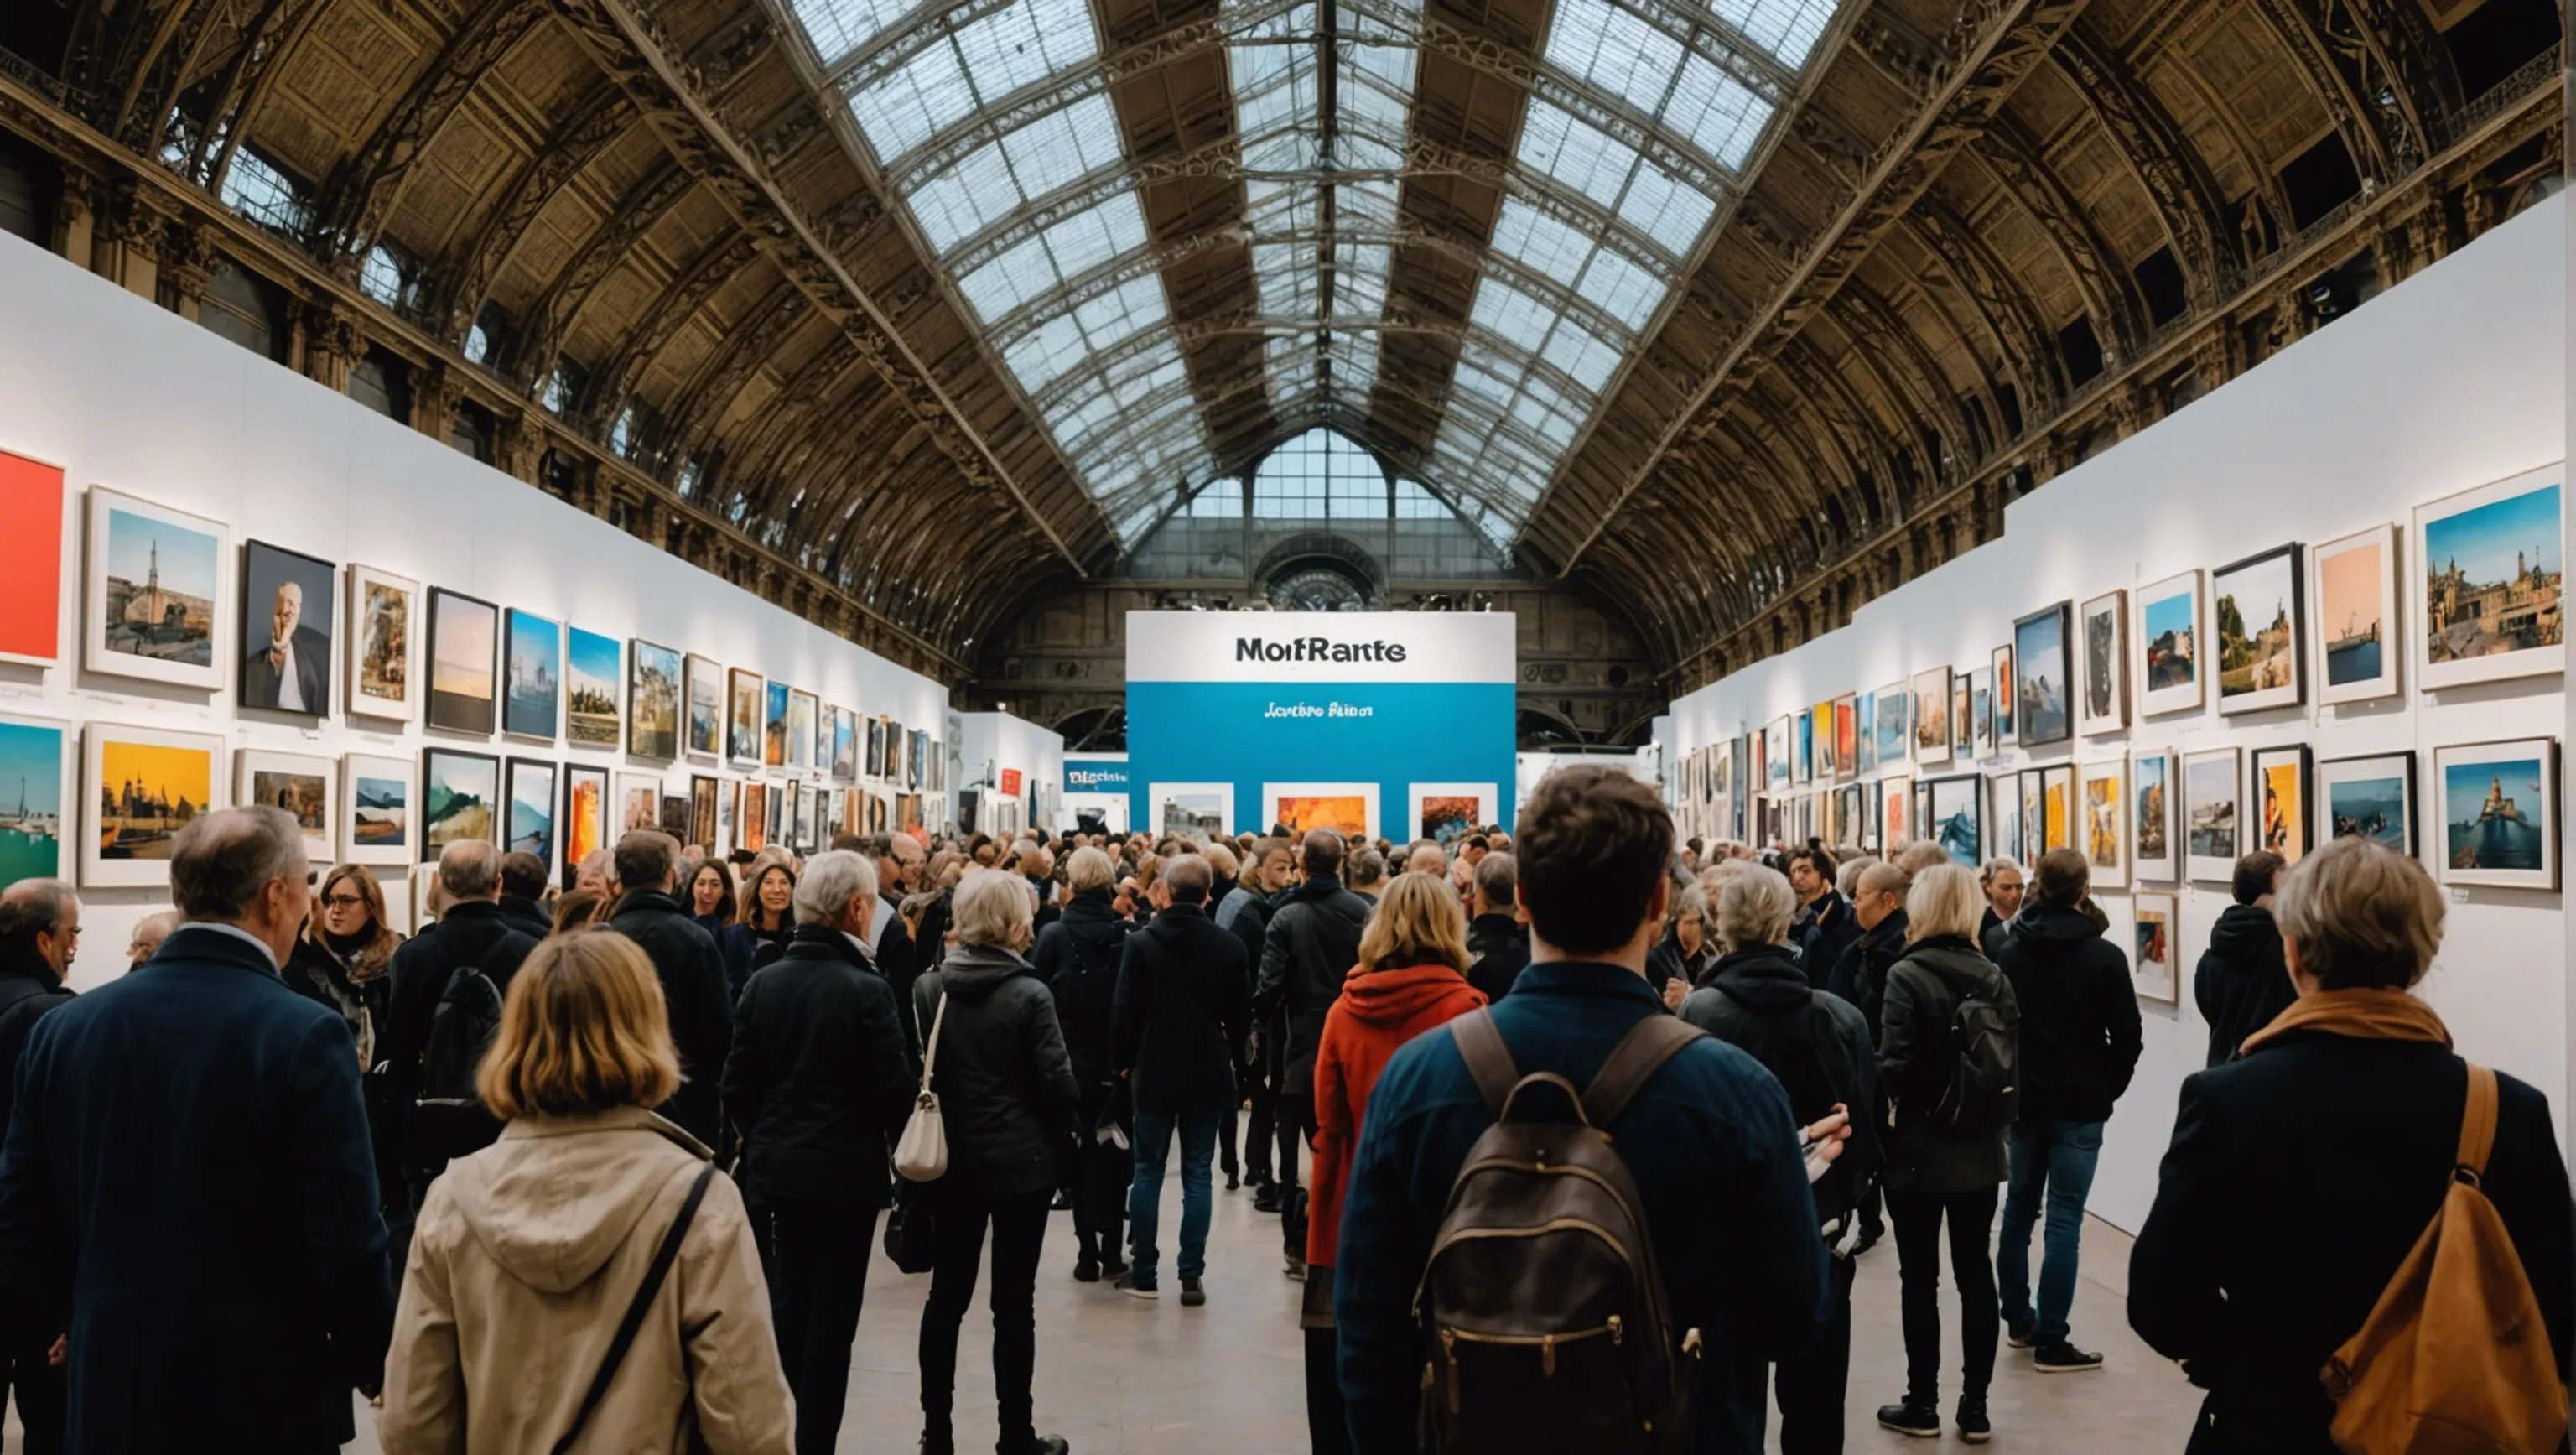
(525, 1258)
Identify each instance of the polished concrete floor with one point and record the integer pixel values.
(1117, 1376)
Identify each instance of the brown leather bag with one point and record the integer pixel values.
(1542, 1311)
(2454, 1359)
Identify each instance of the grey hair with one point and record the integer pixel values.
(1754, 908)
(1188, 878)
(1088, 869)
(830, 881)
(992, 907)
(33, 907)
(1847, 878)
(222, 860)
(1987, 871)
(470, 868)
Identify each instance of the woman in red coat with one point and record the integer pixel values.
(1412, 976)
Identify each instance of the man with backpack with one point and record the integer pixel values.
(1077, 957)
(1818, 1047)
(446, 1005)
(1708, 1261)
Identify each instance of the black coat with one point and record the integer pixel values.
(1006, 1090)
(1310, 948)
(527, 916)
(29, 989)
(754, 948)
(1860, 974)
(187, 1188)
(1245, 914)
(2080, 1029)
(2298, 1179)
(1665, 961)
(1183, 1008)
(470, 933)
(1740, 1003)
(1499, 945)
(899, 961)
(1822, 931)
(2243, 979)
(1916, 1057)
(693, 992)
(818, 1081)
(1077, 959)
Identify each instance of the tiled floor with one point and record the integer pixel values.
(1121, 1377)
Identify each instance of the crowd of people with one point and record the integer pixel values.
(604, 1166)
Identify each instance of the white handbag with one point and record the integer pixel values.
(922, 1154)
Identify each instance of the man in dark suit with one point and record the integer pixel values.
(691, 968)
(523, 885)
(292, 670)
(187, 1185)
(39, 934)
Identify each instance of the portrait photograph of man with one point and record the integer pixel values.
(286, 630)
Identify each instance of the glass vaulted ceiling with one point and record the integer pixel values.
(991, 119)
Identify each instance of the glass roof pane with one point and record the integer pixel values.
(836, 27)
(1788, 29)
(1613, 51)
(1716, 113)
(911, 103)
(1030, 41)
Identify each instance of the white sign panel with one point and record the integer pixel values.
(1321, 646)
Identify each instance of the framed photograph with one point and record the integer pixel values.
(2371, 797)
(2154, 848)
(1864, 733)
(591, 670)
(705, 722)
(652, 701)
(532, 704)
(2102, 808)
(290, 606)
(773, 730)
(31, 590)
(1895, 739)
(1349, 807)
(1981, 712)
(2007, 729)
(802, 710)
(297, 782)
(2498, 807)
(2211, 780)
(2255, 609)
(145, 784)
(1804, 769)
(845, 745)
(2032, 785)
(744, 694)
(464, 647)
(2103, 626)
(781, 832)
(639, 803)
(1446, 813)
(1953, 816)
(702, 811)
(2058, 810)
(375, 809)
(1846, 737)
(2356, 618)
(585, 816)
(2169, 675)
(1931, 715)
(2280, 800)
(2042, 668)
(1962, 716)
(800, 818)
(675, 817)
(872, 758)
(753, 818)
(2151, 952)
(2006, 819)
(384, 644)
(457, 793)
(2487, 570)
(1777, 749)
(35, 798)
(531, 795)
(154, 578)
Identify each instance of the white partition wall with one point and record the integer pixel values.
(127, 395)
(2454, 378)
(1001, 750)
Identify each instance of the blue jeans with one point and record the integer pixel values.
(1198, 1197)
(2058, 1157)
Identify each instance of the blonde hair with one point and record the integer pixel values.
(1945, 900)
(2364, 916)
(583, 1030)
(1754, 907)
(1418, 922)
(1087, 869)
(994, 907)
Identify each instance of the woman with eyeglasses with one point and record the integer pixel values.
(341, 960)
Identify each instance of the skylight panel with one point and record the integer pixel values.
(1788, 29)
(1042, 355)
(965, 199)
(1583, 357)
(837, 27)
(1620, 289)
(1561, 145)
(1095, 235)
(1539, 242)
(914, 102)
(1063, 146)
(1666, 210)
(1026, 43)
(1716, 113)
(1613, 51)
(1511, 315)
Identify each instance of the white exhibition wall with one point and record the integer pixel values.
(2455, 378)
(125, 394)
(995, 743)
(1528, 768)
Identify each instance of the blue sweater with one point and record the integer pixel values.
(1715, 1155)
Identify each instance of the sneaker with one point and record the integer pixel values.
(1266, 1198)
(1296, 1267)
(1085, 1271)
(1193, 1293)
(1973, 1427)
(1919, 1420)
(2018, 1335)
(1135, 1287)
(1063, 1201)
(2064, 1358)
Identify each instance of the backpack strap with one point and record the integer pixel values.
(1488, 1059)
(2477, 1124)
(1633, 1062)
(663, 1258)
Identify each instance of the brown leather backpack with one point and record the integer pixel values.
(1542, 1311)
(2454, 1358)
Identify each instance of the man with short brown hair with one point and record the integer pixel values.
(691, 969)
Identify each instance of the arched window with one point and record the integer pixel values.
(1320, 475)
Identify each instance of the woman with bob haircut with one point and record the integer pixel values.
(1938, 1173)
(1412, 976)
(2303, 1172)
(528, 1253)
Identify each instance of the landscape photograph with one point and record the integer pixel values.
(2354, 597)
(300, 786)
(161, 580)
(464, 635)
(1194, 815)
(2040, 671)
(2492, 570)
(381, 611)
(2210, 782)
(458, 795)
(2370, 798)
(147, 791)
(590, 690)
(532, 704)
(652, 701)
(2172, 640)
(2255, 607)
(31, 801)
(379, 809)
(532, 809)
(2494, 811)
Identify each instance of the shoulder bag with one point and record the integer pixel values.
(922, 1154)
(663, 1258)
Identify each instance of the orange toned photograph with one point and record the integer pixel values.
(1299, 812)
(147, 794)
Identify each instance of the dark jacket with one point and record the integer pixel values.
(1749, 987)
(1665, 961)
(1717, 1170)
(1312, 943)
(2298, 1179)
(1048, 911)
(1182, 1010)
(29, 990)
(187, 1188)
(1245, 913)
(262, 685)
(1499, 946)
(818, 1080)
(2080, 1030)
(2243, 980)
(1077, 959)
(527, 916)
(899, 961)
(1822, 931)
(1916, 1057)
(736, 975)
(1006, 1088)
(1860, 975)
(470, 933)
(693, 992)
(741, 945)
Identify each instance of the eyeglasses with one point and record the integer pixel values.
(344, 901)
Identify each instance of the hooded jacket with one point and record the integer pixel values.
(1916, 1055)
(1822, 930)
(1743, 1002)
(819, 1081)
(1077, 959)
(2243, 980)
(1665, 961)
(1499, 945)
(524, 1260)
(1006, 1090)
(1313, 942)
(2080, 1030)
(1860, 976)
(1378, 1011)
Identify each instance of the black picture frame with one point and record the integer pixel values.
(434, 813)
(653, 682)
(2231, 702)
(2300, 819)
(460, 712)
(2033, 661)
(312, 649)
